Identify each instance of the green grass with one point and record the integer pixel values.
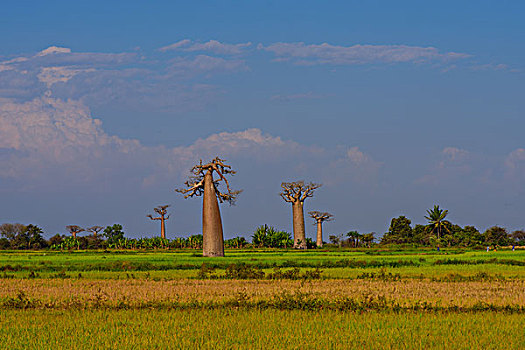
(223, 315)
(254, 329)
(335, 264)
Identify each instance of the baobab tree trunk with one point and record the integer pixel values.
(162, 228)
(319, 233)
(213, 242)
(299, 235)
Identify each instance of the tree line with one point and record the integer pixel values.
(205, 181)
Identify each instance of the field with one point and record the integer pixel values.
(263, 299)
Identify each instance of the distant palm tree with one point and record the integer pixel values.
(436, 220)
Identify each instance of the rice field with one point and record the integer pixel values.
(263, 299)
(254, 329)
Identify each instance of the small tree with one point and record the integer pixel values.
(95, 230)
(113, 234)
(354, 237)
(162, 211)
(368, 238)
(497, 236)
(202, 183)
(74, 230)
(296, 193)
(436, 220)
(319, 218)
(519, 236)
(399, 231)
(337, 239)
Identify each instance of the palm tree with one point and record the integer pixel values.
(436, 220)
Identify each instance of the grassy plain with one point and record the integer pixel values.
(254, 329)
(370, 298)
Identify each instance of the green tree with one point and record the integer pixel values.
(436, 221)
(470, 236)
(368, 238)
(519, 237)
(113, 234)
(353, 237)
(35, 240)
(420, 235)
(496, 236)
(399, 231)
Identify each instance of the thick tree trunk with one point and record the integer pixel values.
(319, 233)
(299, 236)
(162, 228)
(213, 242)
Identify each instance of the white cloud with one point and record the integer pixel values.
(204, 64)
(304, 54)
(53, 75)
(357, 157)
(515, 165)
(54, 50)
(48, 141)
(211, 46)
(356, 166)
(453, 156)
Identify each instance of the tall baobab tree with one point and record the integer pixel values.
(202, 183)
(319, 218)
(74, 229)
(296, 193)
(95, 230)
(162, 211)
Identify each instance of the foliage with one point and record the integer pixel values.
(18, 236)
(114, 234)
(436, 221)
(268, 237)
(399, 231)
(497, 236)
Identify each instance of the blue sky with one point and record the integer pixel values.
(393, 106)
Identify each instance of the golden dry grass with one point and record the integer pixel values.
(509, 292)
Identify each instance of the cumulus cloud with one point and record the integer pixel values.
(452, 163)
(53, 75)
(204, 64)
(54, 50)
(453, 156)
(313, 54)
(355, 165)
(515, 164)
(210, 46)
(120, 79)
(48, 140)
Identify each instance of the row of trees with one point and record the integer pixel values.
(17, 236)
(202, 182)
(441, 232)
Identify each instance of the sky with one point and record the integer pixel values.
(393, 106)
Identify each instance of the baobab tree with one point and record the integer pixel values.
(202, 183)
(95, 230)
(162, 211)
(296, 193)
(319, 218)
(74, 229)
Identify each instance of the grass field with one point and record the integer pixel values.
(167, 299)
(252, 329)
